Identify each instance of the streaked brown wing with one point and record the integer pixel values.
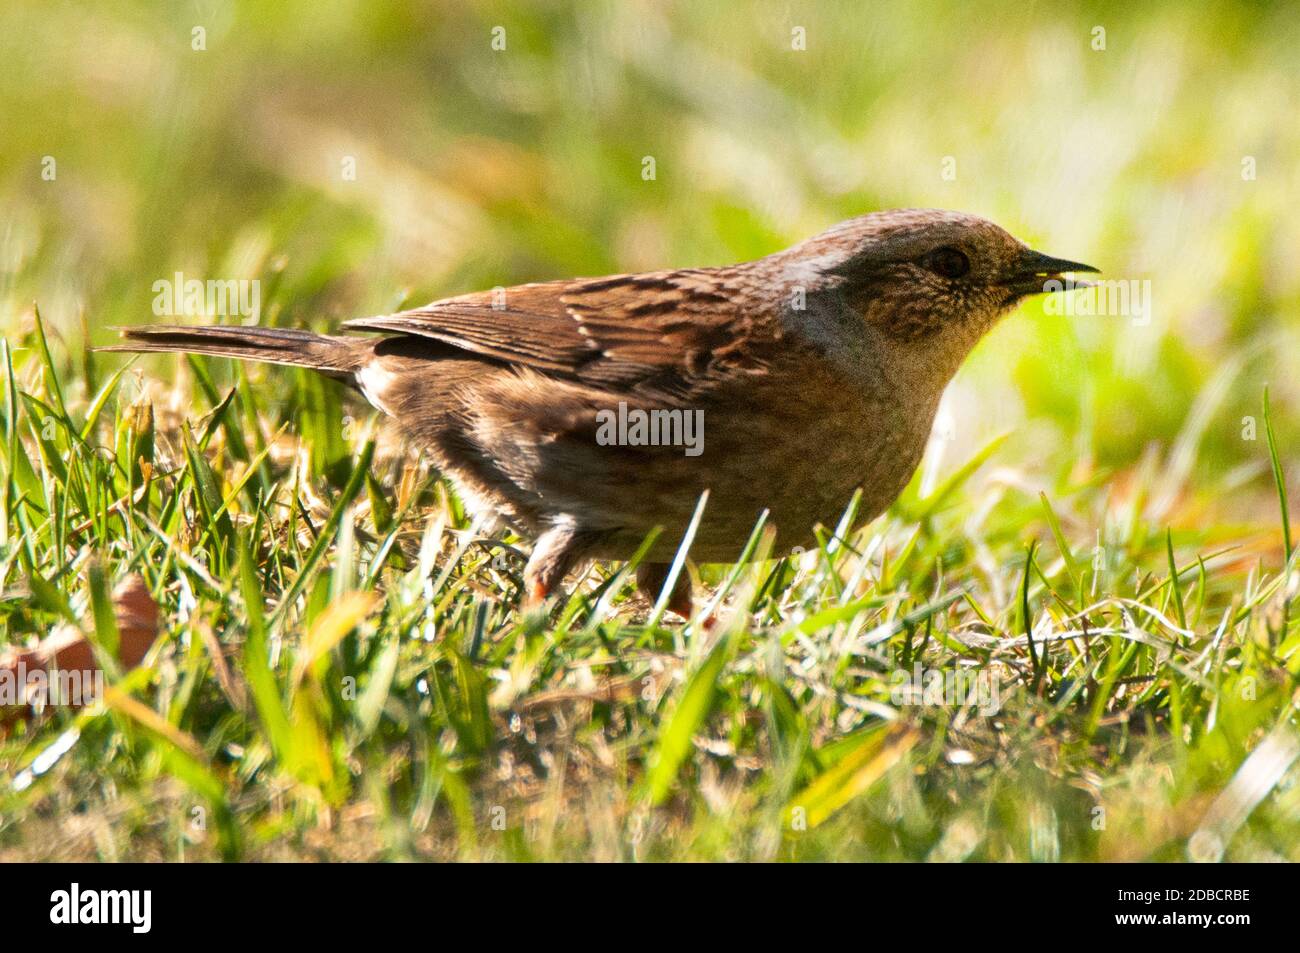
(660, 334)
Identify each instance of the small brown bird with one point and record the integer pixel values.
(588, 412)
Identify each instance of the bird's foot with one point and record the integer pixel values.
(650, 580)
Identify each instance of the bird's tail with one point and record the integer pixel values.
(334, 356)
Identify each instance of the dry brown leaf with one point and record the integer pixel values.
(67, 648)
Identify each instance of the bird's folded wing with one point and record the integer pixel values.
(665, 333)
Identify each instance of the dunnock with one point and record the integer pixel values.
(564, 407)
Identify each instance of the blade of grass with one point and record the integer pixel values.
(676, 739)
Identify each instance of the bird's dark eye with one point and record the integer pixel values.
(947, 262)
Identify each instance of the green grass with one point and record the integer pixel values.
(1100, 529)
(340, 680)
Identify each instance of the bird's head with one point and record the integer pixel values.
(927, 278)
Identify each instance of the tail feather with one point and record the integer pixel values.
(334, 356)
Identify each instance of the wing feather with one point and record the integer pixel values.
(660, 334)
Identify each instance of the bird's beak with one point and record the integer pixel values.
(1034, 270)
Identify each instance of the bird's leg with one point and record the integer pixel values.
(650, 579)
(556, 551)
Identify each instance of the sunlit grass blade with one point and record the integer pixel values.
(1279, 478)
(857, 769)
(687, 716)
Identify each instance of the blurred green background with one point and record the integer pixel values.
(477, 167)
